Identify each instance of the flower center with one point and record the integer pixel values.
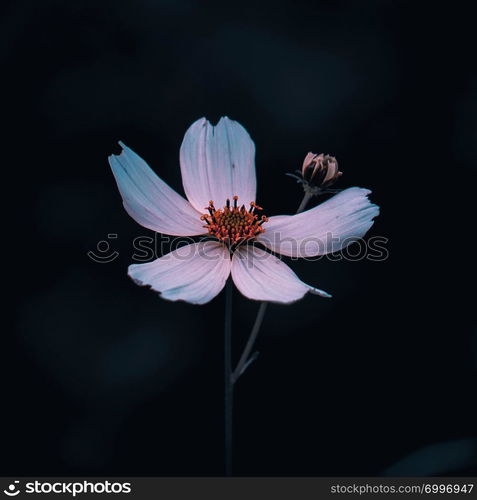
(233, 224)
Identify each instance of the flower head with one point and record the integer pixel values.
(218, 174)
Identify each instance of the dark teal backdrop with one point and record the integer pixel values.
(101, 376)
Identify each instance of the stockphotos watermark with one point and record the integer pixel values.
(72, 488)
(329, 247)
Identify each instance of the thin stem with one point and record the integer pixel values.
(250, 342)
(245, 357)
(228, 399)
(304, 202)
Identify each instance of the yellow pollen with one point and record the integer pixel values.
(233, 224)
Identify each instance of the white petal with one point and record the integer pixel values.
(329, 227)
(149, 200)
(259, 275)
(194, 273)
(218, 163)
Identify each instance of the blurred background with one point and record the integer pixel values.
(100, 376)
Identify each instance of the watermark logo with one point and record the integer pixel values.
(104, 253)
(12, 489)
(67, 488)
(329, 247)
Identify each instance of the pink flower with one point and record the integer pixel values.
(218, 175)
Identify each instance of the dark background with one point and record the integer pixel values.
(100, 376)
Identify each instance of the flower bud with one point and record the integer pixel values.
(320, 170)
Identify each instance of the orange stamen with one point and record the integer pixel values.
(232, 224)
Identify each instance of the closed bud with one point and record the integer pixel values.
(320, 170)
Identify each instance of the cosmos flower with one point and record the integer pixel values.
(218, 174)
